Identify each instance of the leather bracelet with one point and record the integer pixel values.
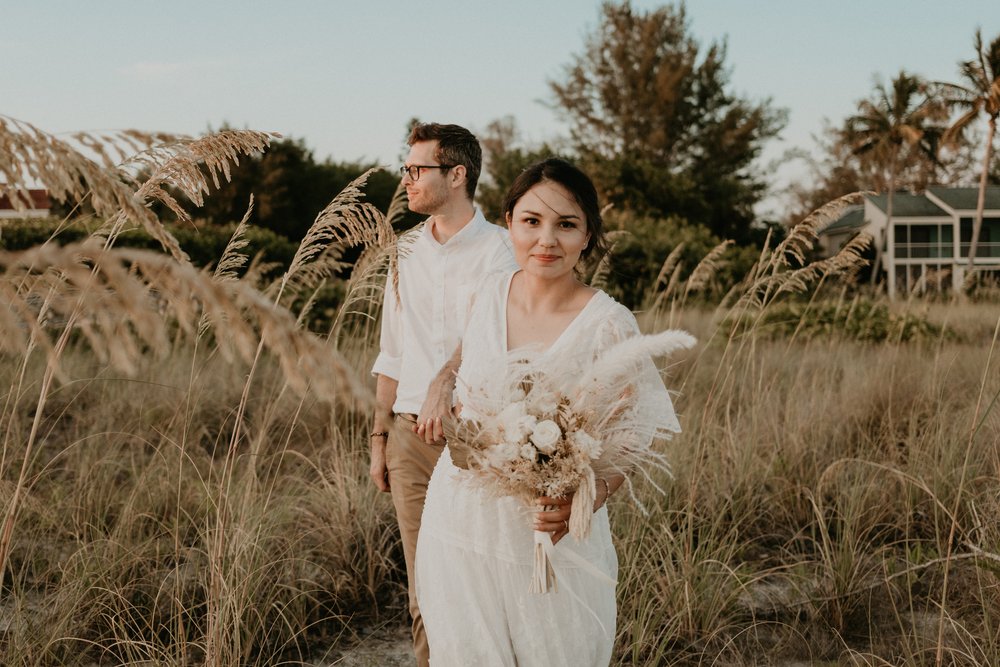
(385, 434)
(607, 490)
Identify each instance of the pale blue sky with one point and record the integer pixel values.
(346, 76)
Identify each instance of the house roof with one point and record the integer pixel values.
(39, 200)
(852, 218)
(966, 199)
(906, 205)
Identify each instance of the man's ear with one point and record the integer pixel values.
(458, 174)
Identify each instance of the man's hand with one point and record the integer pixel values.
(437, 404)
(378, 470)
(385, 396)
(436, 408)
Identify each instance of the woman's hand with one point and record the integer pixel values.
(555, 519)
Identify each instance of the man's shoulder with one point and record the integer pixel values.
(492, 235)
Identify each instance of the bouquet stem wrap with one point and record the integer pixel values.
(582, 508)
(543, 577)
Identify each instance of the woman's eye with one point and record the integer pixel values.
(566, 224)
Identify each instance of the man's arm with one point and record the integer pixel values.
(437, 404)
(385, 397)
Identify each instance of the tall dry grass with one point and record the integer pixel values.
(183, 471)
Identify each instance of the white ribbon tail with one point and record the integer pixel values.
(543, 542)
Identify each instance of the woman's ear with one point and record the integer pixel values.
(507, 219)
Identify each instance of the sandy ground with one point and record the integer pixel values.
(383, 646)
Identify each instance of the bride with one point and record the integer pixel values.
(474, 555)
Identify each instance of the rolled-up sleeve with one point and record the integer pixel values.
(390, 355)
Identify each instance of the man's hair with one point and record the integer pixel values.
(456, 145)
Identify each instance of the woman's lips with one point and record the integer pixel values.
(546, 258)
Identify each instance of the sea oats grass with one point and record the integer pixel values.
(184, 466)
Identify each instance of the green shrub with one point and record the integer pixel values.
(203, 242)
(861, 319)
(638, 257)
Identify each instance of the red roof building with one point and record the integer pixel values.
(37, 206)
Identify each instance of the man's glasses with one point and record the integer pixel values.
(413, 170)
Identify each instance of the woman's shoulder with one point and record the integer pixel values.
(615, 315)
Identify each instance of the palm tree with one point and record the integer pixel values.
(981, 93)
(894, 126)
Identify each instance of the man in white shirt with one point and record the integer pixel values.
(422, 325)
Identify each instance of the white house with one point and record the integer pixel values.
(926, 246)
(36, 206)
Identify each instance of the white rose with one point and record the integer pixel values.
(545, 435)
(545, 401)
(515, 421)
(586, 444)
(528, 452)
(502, 454)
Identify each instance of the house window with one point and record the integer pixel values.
(922, 241)
(989, 238)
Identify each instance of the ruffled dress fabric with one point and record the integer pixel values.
(475, 552)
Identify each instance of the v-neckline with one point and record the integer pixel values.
(506, 304)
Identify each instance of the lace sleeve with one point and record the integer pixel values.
(654, 415)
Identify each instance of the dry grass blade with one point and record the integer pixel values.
(232, 259)
(669, 276)
(802, 237)
(707, 268)
(669, 264)
(346, 220)
(848, 259)
(394, 216)
(599, 280)
(116, 149)
(131, 301)
(373, 270)
(29, 155)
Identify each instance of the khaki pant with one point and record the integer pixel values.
(410, 462)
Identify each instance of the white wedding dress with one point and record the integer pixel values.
(475, 552)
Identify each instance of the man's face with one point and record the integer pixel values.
(430, 192)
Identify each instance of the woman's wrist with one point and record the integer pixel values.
(607, 493)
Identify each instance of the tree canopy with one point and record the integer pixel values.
(290, 187)
(652, 117)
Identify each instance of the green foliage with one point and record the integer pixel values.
(861, 319)
(290, 187)
(638, 256)
(653, 119)
(204, 243)
(503, 160)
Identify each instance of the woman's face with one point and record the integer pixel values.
(548, 230)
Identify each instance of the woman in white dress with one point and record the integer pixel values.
(475, 552)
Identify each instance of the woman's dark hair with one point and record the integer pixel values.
(578, 184)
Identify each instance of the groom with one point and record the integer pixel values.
(422, 324)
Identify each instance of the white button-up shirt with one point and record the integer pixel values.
(421, 331)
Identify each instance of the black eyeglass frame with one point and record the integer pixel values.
(410, 169)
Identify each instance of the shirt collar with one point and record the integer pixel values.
(465, 235)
